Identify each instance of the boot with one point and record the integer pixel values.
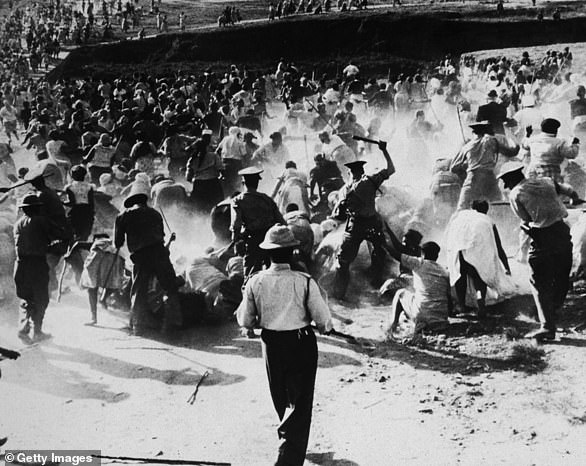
(541, 334)
(94, 319)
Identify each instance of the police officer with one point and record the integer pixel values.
(363, 223)
(53, 209)
(142, 228)
(253, 213)
(537, 203)
(479, 157)
(32, 235)
(283, 302)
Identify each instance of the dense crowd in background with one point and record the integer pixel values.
(270, 181)
(185, 137)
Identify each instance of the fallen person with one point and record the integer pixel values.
(428, 305)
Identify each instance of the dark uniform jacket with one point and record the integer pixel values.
(253, 213)
(495, 113)
(142, 227)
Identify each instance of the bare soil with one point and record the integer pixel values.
(475, 396)
(478, 395)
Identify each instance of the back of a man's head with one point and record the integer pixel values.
(430, 250)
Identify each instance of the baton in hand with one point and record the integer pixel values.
(342, 335)
(23, 183)
(360, 138)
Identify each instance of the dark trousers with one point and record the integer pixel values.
(550, 259)
(254, 258)
(149, 262)
(31, 277)
(96, 172)
(357, 230)
(81, 218)
(291, 361)
(232, 180)
(206, 194)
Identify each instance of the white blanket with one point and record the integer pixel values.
(472, 233)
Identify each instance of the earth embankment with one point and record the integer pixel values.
(381, 41)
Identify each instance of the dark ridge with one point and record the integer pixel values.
(381, 41)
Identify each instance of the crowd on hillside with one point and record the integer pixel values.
(291, 172)
(192, 134)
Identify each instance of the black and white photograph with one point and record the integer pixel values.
(293, 232)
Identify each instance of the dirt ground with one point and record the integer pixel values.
(472, 397)
(477, 396)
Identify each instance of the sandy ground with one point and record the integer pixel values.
(375, 404)
(462, 399)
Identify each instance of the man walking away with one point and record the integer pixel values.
(32, 235)
(289, 344)
(252, 214)
(537, 203)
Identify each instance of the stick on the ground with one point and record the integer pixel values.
(160, 460)
(191, 399)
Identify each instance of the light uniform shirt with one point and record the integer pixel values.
(275, 299)
(268, 154)
(232, 148)
(536, 202)
(8, 114)
(545, 149)
(482, 153)
(431, 287)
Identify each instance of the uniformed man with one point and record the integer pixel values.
(537, 203)
(494, 112)
(479, 157)
(142, 228)
(53, 209)
(326, 176)
(32, 235)
(204, 169)
(253, 213)
(546, 151)
(283, 303)
(363, 223)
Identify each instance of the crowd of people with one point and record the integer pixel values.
(291, 173)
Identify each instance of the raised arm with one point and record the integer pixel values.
(382, 145)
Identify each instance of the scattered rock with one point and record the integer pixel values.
(578, 420)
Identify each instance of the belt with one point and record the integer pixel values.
(300, 332)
